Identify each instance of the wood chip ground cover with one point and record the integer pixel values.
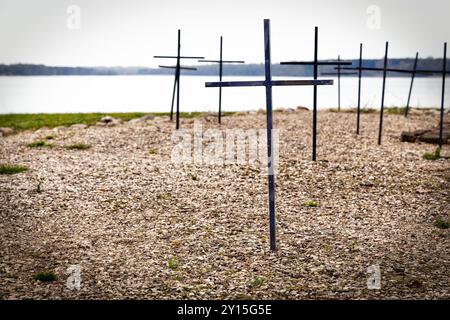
(140, 227)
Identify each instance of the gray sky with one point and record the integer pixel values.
(130, 32)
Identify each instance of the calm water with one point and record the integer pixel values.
(153, 93)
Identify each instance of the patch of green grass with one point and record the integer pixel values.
(45, 276)
(39, 144)
(32, 121)
(11, 169)
(394, 110)
(173, 264)
(77, 146)
(258, 282)
(152, 151)
(353, 110)
(433, 156)
(442, 224)
(311, 204)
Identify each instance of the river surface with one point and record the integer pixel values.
(153, 93)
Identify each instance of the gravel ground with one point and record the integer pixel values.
(140, 227)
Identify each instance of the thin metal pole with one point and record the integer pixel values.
(314, 135)
(220, 77)
(382, 93)
(339, 85)
(441, 123)
(173, 95)
(178, 80)
(271, 178)
(412, 82)
(359, 88)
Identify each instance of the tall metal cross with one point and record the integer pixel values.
(220, 62)
(338, 74)
(176, 83)
(413, 72)
(268, 83)
(315, 63)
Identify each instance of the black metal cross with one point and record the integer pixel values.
(220, 62)
(268, 83)
(315, 63)
(338, 74)
(385, 70)
(176, 83)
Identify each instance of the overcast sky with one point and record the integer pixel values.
(130, 32)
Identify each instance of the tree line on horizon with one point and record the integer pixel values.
(251, 69)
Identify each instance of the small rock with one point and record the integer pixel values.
(4, 131)
(107, 119)
(110, 121)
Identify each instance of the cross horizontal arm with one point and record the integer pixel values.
(395, 70)
(174, 67)
(175, 57)
(270, 83)
(223, 61)
(432, 71)
(321, 63)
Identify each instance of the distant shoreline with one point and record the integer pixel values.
(210, 75)
(241, 70)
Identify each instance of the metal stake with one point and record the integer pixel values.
(380, 131)
(359, 88)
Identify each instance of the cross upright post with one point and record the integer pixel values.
(271, 181)
(177, 72)
(444, 72)
(339, 84)
(380, 129)
(219, 117)
(220, 62)
(268, 83)
(339, 73)
(358, 112)
(316, 75)
(315, 63)
(413, 75)
(176, 82)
